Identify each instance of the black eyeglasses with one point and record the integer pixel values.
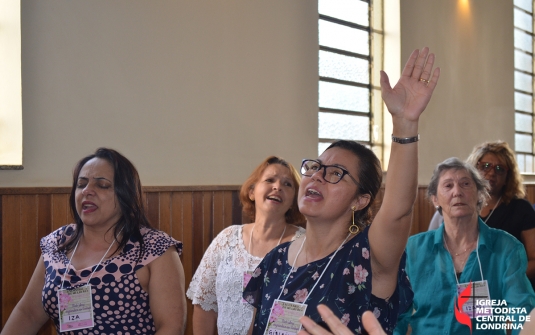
(486, 167)
(331, 173)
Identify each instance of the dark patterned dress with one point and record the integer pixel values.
(345, 287)
(120, 305)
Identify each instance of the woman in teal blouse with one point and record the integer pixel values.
(464, 270)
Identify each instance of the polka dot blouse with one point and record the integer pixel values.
(120, 305)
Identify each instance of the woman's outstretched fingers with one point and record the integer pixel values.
(420, 63)
(311, 328)
(426, 74)
(371, 324)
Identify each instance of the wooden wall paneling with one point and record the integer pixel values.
(12, 281)
(188, 248)
(229, 210)
(61, 212)
(188, 237)
(422, 213)
(44, 227)
(44, 215)
(237, 213)
(165, 212)
(223, 211)
(207, 220)
(29, 251)
(198, 229)
(530, 193)
(152, 200)
(176, 219)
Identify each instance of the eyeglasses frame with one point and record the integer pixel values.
(324, 167)
(492, 167)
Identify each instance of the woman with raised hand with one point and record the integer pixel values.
(269, 197)
(109, 272)
(344, 262)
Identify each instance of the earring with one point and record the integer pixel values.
(354, 229)
(251, 198)
(437, 207)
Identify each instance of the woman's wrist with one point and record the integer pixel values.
(404, 128)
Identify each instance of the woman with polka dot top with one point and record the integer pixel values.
(109, 272)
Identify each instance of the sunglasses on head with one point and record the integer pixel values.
(486, 167)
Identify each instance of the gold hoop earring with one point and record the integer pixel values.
(354, 229)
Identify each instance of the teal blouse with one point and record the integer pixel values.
(431, 272)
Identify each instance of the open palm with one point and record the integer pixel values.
(412, 93)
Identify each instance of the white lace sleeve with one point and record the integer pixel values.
(202, 289)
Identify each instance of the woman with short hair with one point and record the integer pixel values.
(463, 254)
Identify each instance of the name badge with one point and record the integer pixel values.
(475, 305)
(284, 318)
(247, 275)
(75, 308)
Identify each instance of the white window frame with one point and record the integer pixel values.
(10, 86)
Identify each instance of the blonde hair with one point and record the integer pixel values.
(514, 187)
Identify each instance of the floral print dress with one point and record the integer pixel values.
(345, 287)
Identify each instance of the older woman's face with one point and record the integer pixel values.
(274, 192)
(456, 194)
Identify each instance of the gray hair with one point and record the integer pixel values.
(454, 163)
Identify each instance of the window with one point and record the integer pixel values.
(10, 86)
(350, 56)
(523, 41)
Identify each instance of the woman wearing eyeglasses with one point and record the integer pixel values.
(269, 198)
(344, 262)
(506, 207)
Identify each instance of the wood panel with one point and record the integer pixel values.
(189, 214)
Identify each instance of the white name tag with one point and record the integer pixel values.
(75, 308)
(473, 307)
(284, 318)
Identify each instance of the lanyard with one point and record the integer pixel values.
(96, 267)
(492, 212)
(477, 254)
(319, 278)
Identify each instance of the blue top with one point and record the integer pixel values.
(430, 269)
(345, 287)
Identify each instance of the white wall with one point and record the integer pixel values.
(199, 92)
(193, 92)
(474, 100)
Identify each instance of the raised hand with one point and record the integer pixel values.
(410, 96)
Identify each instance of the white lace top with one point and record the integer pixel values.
(217, 283)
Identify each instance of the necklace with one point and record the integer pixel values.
(251, 238)
(470, 246)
